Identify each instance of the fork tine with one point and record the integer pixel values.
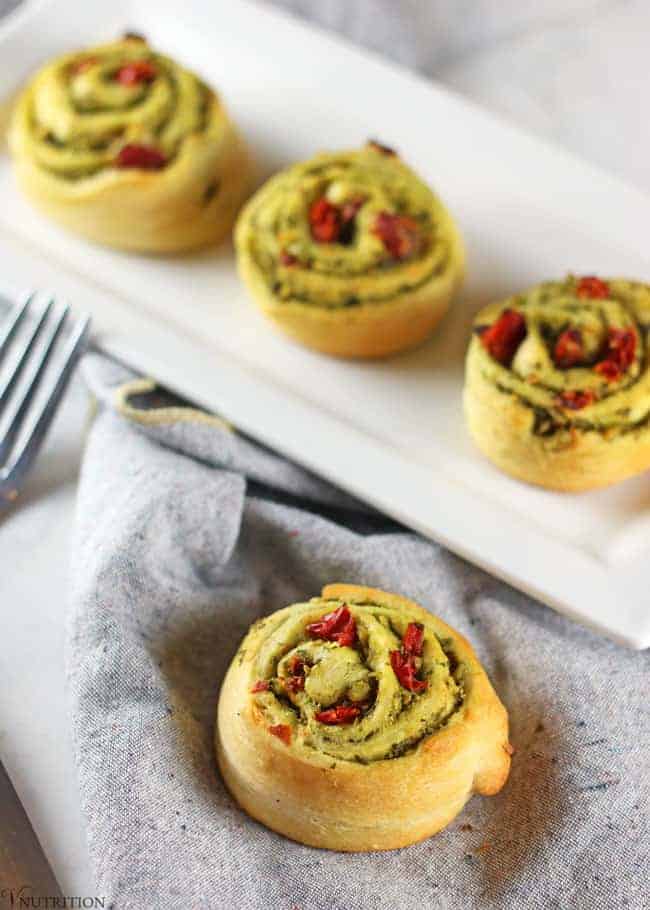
(14, 472)
(36, 371)
(13, 322)
(23, 356)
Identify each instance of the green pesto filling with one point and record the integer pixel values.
(533, 378)
(393, 720)
(76, 121)
(356, 269)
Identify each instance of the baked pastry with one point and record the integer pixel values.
(121, 144)
(350, 253)
(358, 721)
(557, 384)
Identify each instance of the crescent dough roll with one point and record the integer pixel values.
(350, 253)
(557, 383)
(358, 721)
(121, 144)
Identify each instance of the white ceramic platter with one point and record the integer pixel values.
(391, 432)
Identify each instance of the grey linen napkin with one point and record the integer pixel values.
(187, 533)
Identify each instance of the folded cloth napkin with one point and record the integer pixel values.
(186, 533)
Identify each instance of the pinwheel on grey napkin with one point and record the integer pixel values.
(186, 533)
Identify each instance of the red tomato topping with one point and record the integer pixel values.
(325, 221)
(350, 208)
(296, 682)
(287, 259)
(341, 714)
(568, 351)
(400, 234)
(609, 370)
(262, 685)
(282, 731)
(590, 286)
(619, 354)
(403, 661)
(405, 670)
(413, 639)
(338, 626)
(136, 72)
(145, 157)
(504, 336)
(575, 401)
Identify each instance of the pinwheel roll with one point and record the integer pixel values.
(358, 721)
(557, 385)
(121, 144)
(350, 253)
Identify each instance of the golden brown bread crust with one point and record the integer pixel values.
(76, 177)
(514, 411)
(500, 427)
(368, 331)
(345, 804)
(350, 296)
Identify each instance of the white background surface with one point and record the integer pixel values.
(576, 72)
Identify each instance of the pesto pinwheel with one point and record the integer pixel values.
(557, 384)
(350, 253)
(121, 144)
(358, 721)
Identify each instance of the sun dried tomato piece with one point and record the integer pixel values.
(413, 639)
(504, 336)
(287, 259)
(400, 234)
(297, 666)
(593, 287)
(575, 400)
(262, 685)
(609, 370)
(136, 72)
(568, 351)
(145, 157)
(618, 355)
(341, 714)
(282, 731)
(296, 681)
(405, 670)
(380, 147)
(338, 626)
(350, 209)
(403, 661)
(324, 220)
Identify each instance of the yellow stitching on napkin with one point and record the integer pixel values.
(157, 416)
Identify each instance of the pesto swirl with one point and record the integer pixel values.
(573, 352)
(347, 229)
(328, 676)
(82, 110)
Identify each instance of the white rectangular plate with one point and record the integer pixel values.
(390, 432)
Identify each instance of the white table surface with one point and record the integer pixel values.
(572, 70)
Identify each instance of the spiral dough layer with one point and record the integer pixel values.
(358, 690)
(558, 384)
(350, 252)
(124, 145)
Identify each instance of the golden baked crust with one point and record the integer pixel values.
(122, 145)
(570, 409)
(373, 280)
(334, 786)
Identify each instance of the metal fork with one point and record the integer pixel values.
(32, 354)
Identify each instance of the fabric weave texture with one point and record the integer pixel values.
(186, 533)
